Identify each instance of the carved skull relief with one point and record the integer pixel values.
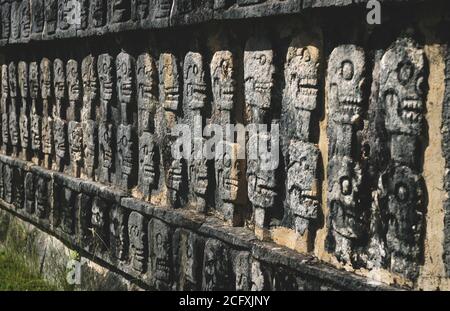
(147, 90)
(194, 81)
(402, 87)
(302, 183)
(46, 77)
(169, 82)
(105, 76)
(42, 198)
(223, 80)
(346, 78)
(138, 239)
(118, 232)
(230, 173)
(89, 77)
(258, 76)
(125, 84)
(215, 269)
(147, 162)
(161, 251)
(89, 146)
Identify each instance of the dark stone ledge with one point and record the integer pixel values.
(181, 13)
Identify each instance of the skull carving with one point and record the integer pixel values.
(230, 174)
(403, 191)
(75, 142)
(59, 84)
(42, 198)
(29, 193)
(60, 138)
(169, 82)
(34, 80)
(161, 252)
(99, 221)
(98, 9)
(261, 178)
(23, 79)
(125, 148)
(12, 75)
(106, 152)
(344, 197)
(258, 76)
(5, 12)
(121, 10)
(73, 80)
(105, 75)
(346, 76)
(125, 84)
(302, 74)
(215, 269)
(68, 210)
(147, 162)
(138, 240)
(118, 232)
(302, 182)
(194, 81)
(402, 87)
(223, 80)
(51, 15)
(163, 8)
(25, 19)
(46, 78)
(89, 146)
(89, 77)
(147, 90)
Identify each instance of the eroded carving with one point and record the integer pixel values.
(138, 239)
(118, 232)
(160, 246)
(216, 269)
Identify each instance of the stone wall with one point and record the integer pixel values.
(91, 91)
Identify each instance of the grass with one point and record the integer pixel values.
(17, 275)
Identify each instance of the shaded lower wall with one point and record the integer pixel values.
(163, 249)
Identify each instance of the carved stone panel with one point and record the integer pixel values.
(105, 75)
(160, 253)
(223, 84)
(98, 10)
(42, 198)
(125, 70)
(100, 224)
(51, 15)
(25, 19)
(35, 109)
(5, 19)
(302, 183)
(15, 19)
(148, 164)
(118, 233)
(30, 205)
(5, 108)
(14, 110)
(24, 126)
(90, 140)
(90, 88)
(106, 152)
(169, 88)
(147, 97)
(125, 156)
(194, 82)
(216, 266)
(301, 74)
(137, 233)
(120, 11)
(75, 131)
(258, 77)
(37, 17)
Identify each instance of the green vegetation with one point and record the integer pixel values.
(20, 263)
(17, 275)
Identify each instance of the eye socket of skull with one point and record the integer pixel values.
(405, 72)
(402, 192)
(306, 55)
(346, 185)
(347, 70)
